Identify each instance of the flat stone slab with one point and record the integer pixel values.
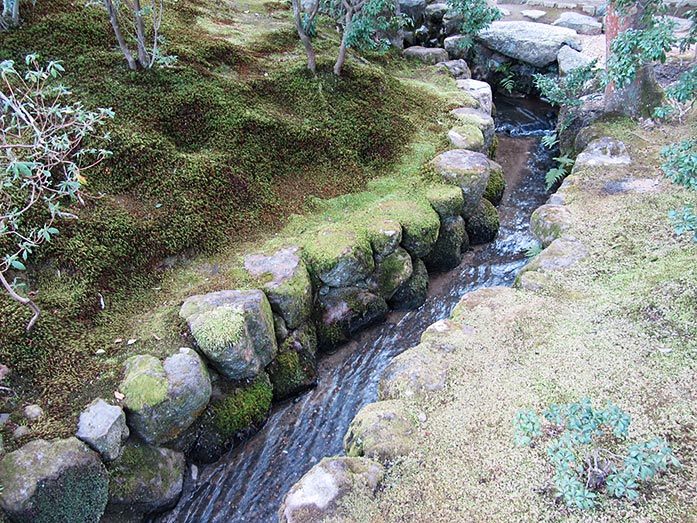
(529, 42)
(428, 55)
(603, 152)
(533, 14)
(582, 24)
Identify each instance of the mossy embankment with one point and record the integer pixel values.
(209, 156)
(617, 326)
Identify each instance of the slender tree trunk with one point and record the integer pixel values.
(143, 56)
(304, 38)
(119, 36)
(341, 58)
(24, 301)
(15, 13)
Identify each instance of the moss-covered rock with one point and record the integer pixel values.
(496, 186)
(393, 271)
(318, 494)
(468, 170)
(162, 400)
(482, 121)
(468, 136)
(385, 236)
(144, 480)
(413, 292)
(483, 225)
(234, 329)
(560, 254)
(382, 431)
(59, 481)
(416, 372)
(235, 410)
(286, 284)
(338, 257)
(419, 223)
(446, 200)
(295, 367)
(343, 312)
(550, 222)
(447, 252)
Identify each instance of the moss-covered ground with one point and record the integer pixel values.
(619, 326)
(209, 157)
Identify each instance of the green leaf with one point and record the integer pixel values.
(16, 264)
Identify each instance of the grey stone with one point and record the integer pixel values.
(481, 120)
(382, 431)
(467, 137)
(103, 427)
(456, 68)
(447, 252)
(452, 23)
(480, 91)
(317, 495)
(468, 170)
(385, 237)
(414, 9)
(144, 480)
(483, 225)
(428, 55)
(234, 329)
(416, 372)
(533, 14)
(33, 412)
(392, 272)
(550, 222)
(21, 432)
(162, 400)
(570, 59)
(435, 12)
(559, 255)
(535, 44)
(412, 293)
(582, 24)
(59, 481)
(603, 152)
(343, 312)
(456, 47)
(286, 284)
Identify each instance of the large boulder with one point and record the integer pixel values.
(483, 225)
(428, 55)
(162, 400)
(316, 496)
(414, 9)
(481, 120)
(382, 431)
(480, 91)
(550, 222)
(144, 480)
(457, 47)
(413, 292)
(286, 284)
(529, 42)
(582, 24)
(468, 170)
(343, 312)
(234, 329)
(59, 481)
(103, 427)
(416, 372)
(392, 272)
(569, 59)
(447, 252)
(338, 257)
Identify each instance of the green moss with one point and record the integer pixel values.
(219, 328)
(145, 383)
(324, 248)
(291, 372)
(483, 226)
(446, 200)
(243, 408)
(78, 496)
(419, 222)
(470, 137)
(495, 187)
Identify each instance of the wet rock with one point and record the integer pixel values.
(419, 222)
(603, 152)
(59, 481)
(295, 367)
(414, 9)
(447, 252)
(144, 480)
(446, 200)
(234, 329)
(582, 24)
(467, 137)
(416, 372)
(483, 225)
(392, 272)
(316, 497)
(286, 283)
(103, 427)
(33, 412)
(382, 431)
(456, 46)
(496, 187)
(480, 91)
(343, 312)
(550, 222)
(385, 237)
(570, 59)
(457, 68)
(468, 170)
(162, 400)
(435, 12)
(481, 120)
(339, 257)
(535, 44)
(428, 55)
(412, 293)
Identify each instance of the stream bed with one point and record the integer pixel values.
(248, 484)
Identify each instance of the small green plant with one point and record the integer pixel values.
(550, 140)
(586, 448)
(533, 251)
(477, 15)
(568, 90)
(684, 221)
(564, 165)
(507, 81)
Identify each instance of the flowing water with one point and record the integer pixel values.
(248, 484)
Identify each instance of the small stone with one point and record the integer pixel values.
(21, 431)
(428, 55)
(99, 352)
(422, 417)
(4, 418)
(4, 371)
(533, 14)
(33, 412)
(582, 24)
(603, 152)
(103, 427)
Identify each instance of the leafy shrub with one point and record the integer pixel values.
(586, 451)
(558, 173)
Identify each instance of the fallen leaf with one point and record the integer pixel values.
(119, 396)
(118, 340)
(131, 341)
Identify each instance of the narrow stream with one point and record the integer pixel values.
(248, 484)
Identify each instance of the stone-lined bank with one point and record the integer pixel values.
(390, 429)
(255, 345)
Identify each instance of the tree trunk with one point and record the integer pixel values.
(15, 13)
(143, 55)
(119, 36)
(304, 38)
(342, 50)
(644, 93)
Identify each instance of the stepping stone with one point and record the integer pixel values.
(533, 14)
